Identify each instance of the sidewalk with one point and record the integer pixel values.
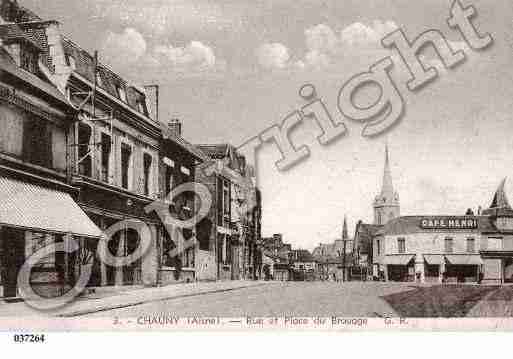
(93, 303)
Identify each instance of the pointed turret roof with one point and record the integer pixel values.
(500, 200)
(387, 189)
(500, 205)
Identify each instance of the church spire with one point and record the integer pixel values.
(345, 234)
(387, 189)
(386, 204)
(499, 199)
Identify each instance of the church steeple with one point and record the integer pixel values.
(345, 235)
(387, 189)
(386, 204)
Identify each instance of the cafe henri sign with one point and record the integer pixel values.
(449, 223)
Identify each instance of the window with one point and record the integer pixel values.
(106, 149)
(37, 142)
(99, 81)
(188, 258)
(223, 202)
(378, 247)
(70, 61)
(471, 245)
(168, 181)
(121, 93)
(28, 59)
(37, 241)
(449, 244)
(147, 159)
(226, 200)
(126, 155)
(84, 152)
(141, 107)
(401, 245)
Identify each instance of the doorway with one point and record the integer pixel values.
(12, 257)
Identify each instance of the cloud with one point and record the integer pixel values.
(122, 49)
(358, 34)
(321, 38)
(326, 47)
(273, 55)
(130, 50)
(193, 56)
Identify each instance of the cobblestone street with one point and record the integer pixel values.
(355, 299)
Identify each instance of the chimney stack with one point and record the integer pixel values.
(175, 126)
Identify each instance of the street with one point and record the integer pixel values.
(354, 299)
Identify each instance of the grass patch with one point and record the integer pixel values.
(442, 301)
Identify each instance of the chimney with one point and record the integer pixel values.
(152, 99)
(175, 126)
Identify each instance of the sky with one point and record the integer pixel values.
(229, 69)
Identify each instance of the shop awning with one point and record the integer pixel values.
(29, 206)
(464, 259)
(401, 259)
(434, 259)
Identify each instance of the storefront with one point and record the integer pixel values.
(432, 249)
(400, 268)
(33, 217)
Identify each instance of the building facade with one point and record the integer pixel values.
(36, 121)
(235, 213)
(431, 248)
(187, 254)
(334, 260)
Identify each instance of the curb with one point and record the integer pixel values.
(133, 304)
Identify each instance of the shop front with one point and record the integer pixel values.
(462, 268)
(497, 266)
(433, 268)
(33, 217)
(400, 268)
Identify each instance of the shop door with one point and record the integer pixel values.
(132, 272)
(13, 249)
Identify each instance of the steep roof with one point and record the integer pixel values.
(8, 65)
(11, 32)
(363, 237)
(500, 206)
(189, 147)
(108, 79)
(32, 28)
(215, 151)
(500, 200)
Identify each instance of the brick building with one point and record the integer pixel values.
(36, 122)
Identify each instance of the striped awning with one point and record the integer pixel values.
(434, 259)
(401, 259)
(33, 207)
(464, 259)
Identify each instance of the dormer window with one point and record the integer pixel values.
(70, 61)
(28, 59)
(99, 81)
(141, 107)
(121, 93)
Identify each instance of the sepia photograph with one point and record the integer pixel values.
(255, 165)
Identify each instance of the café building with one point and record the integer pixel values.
(448, 249)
